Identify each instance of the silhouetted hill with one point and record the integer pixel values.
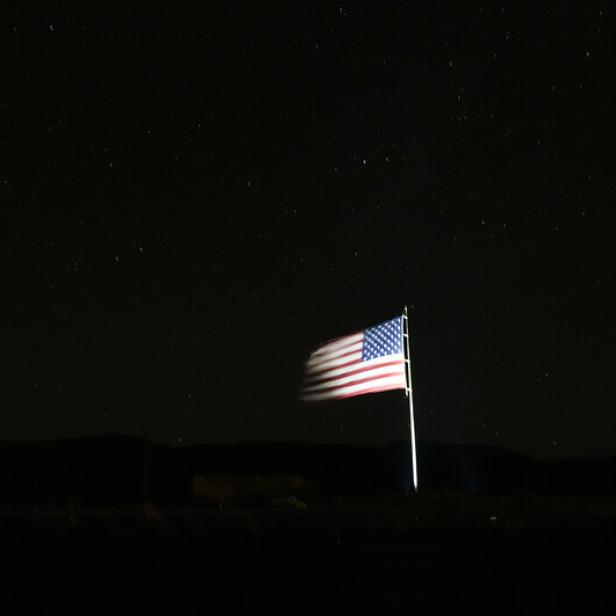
(122, 470)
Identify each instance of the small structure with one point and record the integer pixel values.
(243, 488)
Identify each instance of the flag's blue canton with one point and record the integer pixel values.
(383, 339)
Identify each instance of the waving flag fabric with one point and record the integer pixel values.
(362, 363)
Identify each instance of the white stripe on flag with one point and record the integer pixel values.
(338, 361)
(316, 359)
(337, 344)
(355, 366)
(359, 376)
(390, 382)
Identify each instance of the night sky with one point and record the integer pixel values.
(193, 200)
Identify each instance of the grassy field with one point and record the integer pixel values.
(439, 553)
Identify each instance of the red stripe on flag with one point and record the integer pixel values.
(339, 338)
(333, 388)
(336, 345)
(317, 381)
(328, 359)
(349, 363)
(369, 390)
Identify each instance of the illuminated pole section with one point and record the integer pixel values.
(409, 391)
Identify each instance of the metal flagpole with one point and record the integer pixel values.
(409, 391)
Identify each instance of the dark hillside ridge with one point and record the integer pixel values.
(110, 470)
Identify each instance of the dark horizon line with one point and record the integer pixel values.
(297, 443)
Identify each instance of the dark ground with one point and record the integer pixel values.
(434, 553)
(489, 531)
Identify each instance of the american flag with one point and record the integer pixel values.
(362, 363)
